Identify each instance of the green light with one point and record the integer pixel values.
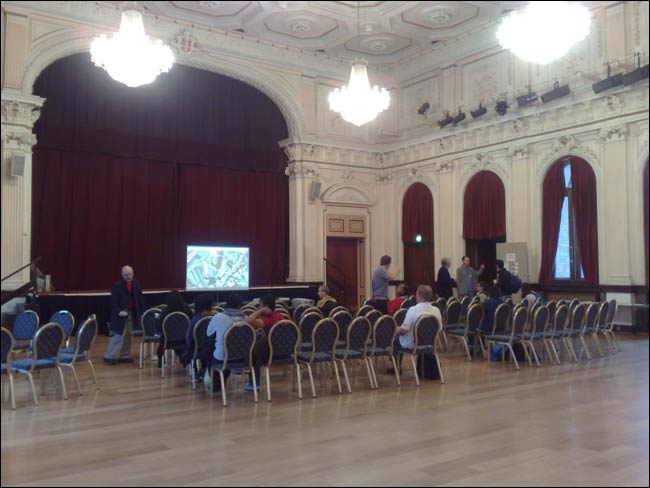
(418, 238)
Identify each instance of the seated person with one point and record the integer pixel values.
(489, 307)
(401, 293)
(174, 303)
(203, 306)
(262, 320)
(325, 302)
(481, 291)
(218, 327)
(527, 295)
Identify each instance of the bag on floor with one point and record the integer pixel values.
(427, 367)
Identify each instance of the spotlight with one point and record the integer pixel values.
(557, 92)
(502, 107)
(460, 117)
(446, 121)
(479, 111)
(609, 82)
(638, 74)
(527, 99)
(423, 109)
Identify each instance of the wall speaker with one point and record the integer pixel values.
(314, 190)
(17, 165)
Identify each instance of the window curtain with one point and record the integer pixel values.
(586, 217)
(552, 199)
(484, 207)
(417, 214)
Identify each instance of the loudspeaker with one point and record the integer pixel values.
(17, 165)
(314, 190)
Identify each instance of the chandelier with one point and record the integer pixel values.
(357, 102)
(130, 56)
(544, 31)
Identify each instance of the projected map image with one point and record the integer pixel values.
(217, 267)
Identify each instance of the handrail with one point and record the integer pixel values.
(20, 269)
(337, 268)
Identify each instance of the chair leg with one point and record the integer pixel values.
(444, 338)
(569, 342)
(366, 360)
(512, 356)
(338, 378)
(415, 369)
(442, 377)
(254, 385)
(557, 358)
(31, 382)
(532, 349)
(469, 356)
(141, 355)
(615, 340)
(11, 390)
(65, 392)
(92, 371)
(530, 362)
(584, 347)
(76, 379)
(610, 345)
(164, 364)
(392, 358)
(489, 352)
(597, 342)
(299, 374)
(267, 379)
(374, 373)
(311, 381)
(223, 388)
(211, 382)
(345, 375)
(192, 374)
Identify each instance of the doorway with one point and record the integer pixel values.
(483, 251)
(342, 270)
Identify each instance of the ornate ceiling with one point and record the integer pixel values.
(389, 31)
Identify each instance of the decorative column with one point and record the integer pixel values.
(19, 112)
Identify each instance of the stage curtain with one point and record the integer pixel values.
(484, 207)
(552, 199)
(417, 214)
(585, 210)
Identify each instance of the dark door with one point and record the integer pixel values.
(483, 251)
(341, 269)
(419, 268)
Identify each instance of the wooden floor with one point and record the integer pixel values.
(569, 425)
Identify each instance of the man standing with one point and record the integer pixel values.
(503, 278)
(126, 309)
(466, 277)
(444, 283)
(380, 279)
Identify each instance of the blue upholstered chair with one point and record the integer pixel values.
(601, 324)
(425, 331)
(535, 330)
(299, 311)
(364, 310)
(7, 347)
(47, 346)
(83, 344)
(399, 316)
(472, 325)
(343, 319)
(355, 347)
(336, 310)
(608, 330)
(373, 316)
(239, 342)
(554, 330)
(588, 326)
(451, 319)
(323, 340)
(574, 328)
(25, 327)
(202, 346)
(174, 332)
(383, 335)
(151, 333)
(66, 320)
(307, 324)
(284, 343)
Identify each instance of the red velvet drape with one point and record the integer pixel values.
(484, 207)
(131, 176)
(417, 213)
(552, 199)
(646, 217)
(586, 217)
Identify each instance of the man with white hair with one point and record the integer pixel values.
(126, 309)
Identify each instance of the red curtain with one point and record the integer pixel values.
(417, 213)
(484, 207)
(552, 199)
(586, 217)
(646, 216)
(131, 177)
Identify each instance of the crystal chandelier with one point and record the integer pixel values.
(357, 102)
(130, 56)
(544, 31)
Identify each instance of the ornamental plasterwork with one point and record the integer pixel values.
(19, 113)
(18, 140)
(519, 152)
(185, 44)
(384, 177)
(613, 103)
(609, 134)
(300, 170)
(347, 176)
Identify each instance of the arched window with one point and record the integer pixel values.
(569, 223)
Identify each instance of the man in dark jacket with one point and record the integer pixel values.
(126, 309)
(503, 278)
(444, 282)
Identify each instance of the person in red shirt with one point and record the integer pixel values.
(262, 321)
(401, 293)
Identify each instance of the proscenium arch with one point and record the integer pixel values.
(61, 45)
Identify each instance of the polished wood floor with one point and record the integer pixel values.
(568, 425)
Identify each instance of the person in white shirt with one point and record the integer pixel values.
(405, 338)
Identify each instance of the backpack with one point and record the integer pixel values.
(515, 283)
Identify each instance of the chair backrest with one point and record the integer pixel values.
(283, 312)
(524, 303)
(364, 310)
(48, 341)
(452, 313)
(343, 319)
(613, 306)
(573, 303)
(246, 311)
(464, 305)
(238, 343)
(218, 309)
(540, 319)
(336, 310)
(384, 331)
(551, 308)
(25, 325)
(358, 334)
(373, 316)
(324, 336)
(284, 339)
(149, 321)
(501, 318)
(425, 331)
(86, 335)
(174, 327)
(307, 324)
(519, 321)
(299, 311)
(578, 317)
(509, 303)
(7, 346)
(592, 315)
(603, 313)
(399, 316)
(313, 309)
(200, 334)
(474, 318)
(560, 319)
(65, 319)
(441, 303)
